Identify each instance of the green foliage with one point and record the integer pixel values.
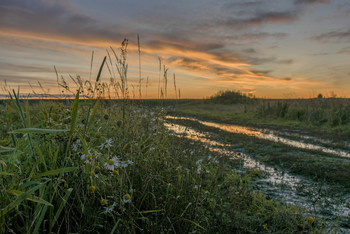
(131, 177)
(317, 112)
(230, 97)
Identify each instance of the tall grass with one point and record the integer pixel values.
(319, 111)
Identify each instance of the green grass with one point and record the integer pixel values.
(331, 117)
(54, 176)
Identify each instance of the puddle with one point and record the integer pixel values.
(270, 135)
(277, 184)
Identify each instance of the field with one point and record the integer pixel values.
(119, 166)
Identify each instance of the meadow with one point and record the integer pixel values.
(98, 165)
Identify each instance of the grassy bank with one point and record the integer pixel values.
(316, 116)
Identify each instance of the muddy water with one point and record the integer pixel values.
(277, 184)
(274, 136)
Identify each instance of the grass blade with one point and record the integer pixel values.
(6, 173)
(115, 226)
(38, 130)
(54, 172)
(63, 203)
(74, 113)
(99, 72)
(93, 113)
(32, 198)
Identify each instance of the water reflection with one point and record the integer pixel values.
(267, 135)
(278, 184)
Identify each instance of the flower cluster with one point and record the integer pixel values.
(115, 163)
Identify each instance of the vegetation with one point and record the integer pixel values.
(103, 166)
(84, 169)
(230, 97)
(320, 115)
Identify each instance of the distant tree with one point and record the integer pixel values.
(320, 96)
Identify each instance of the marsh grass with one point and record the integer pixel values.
(99, 166)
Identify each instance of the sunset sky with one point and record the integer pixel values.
(269, 48)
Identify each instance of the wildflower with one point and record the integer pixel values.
(97, 169)
(98, 135)
(127, 163)
(75, 147)
(110, 207)
(103, 202)
(199, 166)
(127, 198)
(112, 163)
(311, 220)
(115, 172)
(92, 188)
(101, 146)
(108, 142)
(93, 174)
(87, 157)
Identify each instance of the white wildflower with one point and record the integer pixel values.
(110, 208)
(108, 142)
(112, 163)
(127, 198)
(126, 163)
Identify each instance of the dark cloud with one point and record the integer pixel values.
(333, 36)
(52, 20)
(258, 36)
(311, 1)
(259, 61)
(262, 72)
(250, 51)
(285, 61)
(203, 65)
(259, 18)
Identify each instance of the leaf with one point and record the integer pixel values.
(93, 113)
(38, 130)
(99, 72)
(115, 226)
(54, 172)
(148, 211)
(195, 224)
(6, 173)
(63, 203)
(29, 197)
(6, 149)
(19, 199)
(74, 113)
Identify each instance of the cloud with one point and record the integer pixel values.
(258, 18)
(259, 36)
(51, 20)
(333, 36)
(311, 2)
(344, 51)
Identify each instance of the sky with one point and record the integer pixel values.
(266, 48)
